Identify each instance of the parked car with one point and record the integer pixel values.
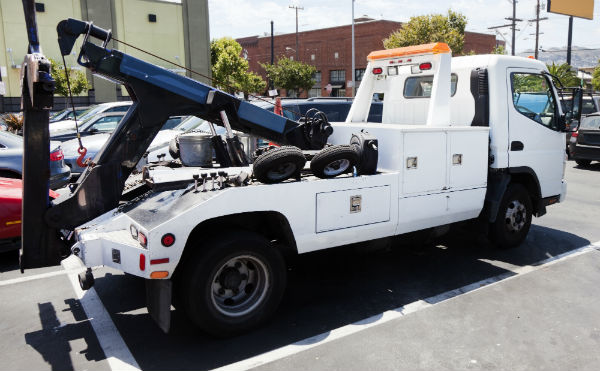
(159, 146)
(67, 114)
(590, 104)
(336, 109)
(94, 110)
(100, 123)
(11, 160)
(11, 191)
(584, 145)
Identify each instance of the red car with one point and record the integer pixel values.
(10, 213)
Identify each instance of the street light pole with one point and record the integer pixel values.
(353, 59)
(297, 8)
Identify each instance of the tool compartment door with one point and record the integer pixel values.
(352, 208)
(467, 158)
(424, 167)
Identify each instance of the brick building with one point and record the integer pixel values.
(330, 51)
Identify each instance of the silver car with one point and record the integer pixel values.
(11, 160)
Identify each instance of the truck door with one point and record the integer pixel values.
(535, 140)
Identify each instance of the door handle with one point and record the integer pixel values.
(516, 146)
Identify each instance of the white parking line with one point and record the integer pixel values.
(116, 351)
(389, 315)
(34, 277)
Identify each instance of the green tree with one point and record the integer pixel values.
(499, 49)
(424, 29)
(79, 83)
(230, 70)
(596, 77)
(289, 74)
(565, 74)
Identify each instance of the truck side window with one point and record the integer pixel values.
(533, 98)
(420, 86)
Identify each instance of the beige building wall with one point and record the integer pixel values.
(175, 32)
(13, 36)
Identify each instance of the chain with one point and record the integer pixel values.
(72, 103)
(200, 74)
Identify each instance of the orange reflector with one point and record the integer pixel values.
(530, 57)
(159, 274)
(433, 48)
(13, 222)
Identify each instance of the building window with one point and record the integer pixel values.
(314, 92)
(317, 77)
(292, 93)
(40, 7)
(152, 18)
(336, 55)
(337, 75)
(340, 92)
(358, 74)
(312, 57)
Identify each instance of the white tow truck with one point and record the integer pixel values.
(460, 138)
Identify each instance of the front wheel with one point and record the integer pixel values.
(233, 284)
(514, 218)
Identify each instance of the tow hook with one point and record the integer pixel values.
(86, 279)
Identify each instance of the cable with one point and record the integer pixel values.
(72, 103)
(199, 74)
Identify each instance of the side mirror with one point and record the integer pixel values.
(94, 130)
(577, 104)
(572, 115)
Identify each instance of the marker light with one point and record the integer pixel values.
(134, 232)
(142, 262)
(425, 66)
(167, 240)
(392, 70)
(159, 261)
(159, 274)
(143, 240)
(377, 71)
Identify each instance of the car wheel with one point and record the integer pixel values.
(583, 163)
(233, 284)
(514, 218)
(333, 161)
(278, 164)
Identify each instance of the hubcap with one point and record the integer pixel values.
(336, 167)
(282, 171)
(516, 216)
(239, 285)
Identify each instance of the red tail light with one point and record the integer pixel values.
(575, 134)
(142, 262)
(57, 155)
(167, 240)
(142, 239)
(377, 71)
(425, 66)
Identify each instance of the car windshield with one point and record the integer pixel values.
(188, 124)
(590, 123)
(58, 114)
(90, 112)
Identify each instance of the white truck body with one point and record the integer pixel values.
(433, 169)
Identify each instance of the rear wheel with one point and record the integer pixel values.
(514, 218)
(234, 284)
(583, 163)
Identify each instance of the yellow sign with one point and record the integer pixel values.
(576, 8)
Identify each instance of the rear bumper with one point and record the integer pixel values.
(579, 152)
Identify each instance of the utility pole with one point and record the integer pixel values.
(272, 53)
(537, 27)
(297, 8)
(570, 40)
(513, 25)
(353, 59)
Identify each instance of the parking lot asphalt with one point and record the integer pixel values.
(336, 288)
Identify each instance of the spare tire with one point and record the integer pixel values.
(334, 160)
(278, 164)
(174, 148)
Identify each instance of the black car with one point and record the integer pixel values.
(336, 109)
(584, 145)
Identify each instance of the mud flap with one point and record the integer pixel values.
(158, 301)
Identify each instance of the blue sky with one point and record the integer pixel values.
(239, 18)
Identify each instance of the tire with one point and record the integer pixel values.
(583, 163)
(243, 261)
(278, 164)
(333, 161)
(514, 218)
(174, 148)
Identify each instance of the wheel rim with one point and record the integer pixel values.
(336, 167)
(516, 216)
(282, 171)
(240, 285)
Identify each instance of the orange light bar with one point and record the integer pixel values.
(159, 274)
(433, 48)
